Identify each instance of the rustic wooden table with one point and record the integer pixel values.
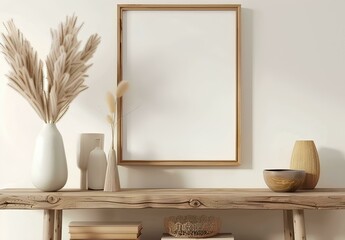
(292, 204)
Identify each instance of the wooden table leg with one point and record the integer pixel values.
(299, 225)
(288, 225)
(48, 225)
(58, 225)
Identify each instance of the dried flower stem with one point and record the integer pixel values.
(122, 87)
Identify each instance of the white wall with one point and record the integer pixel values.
(292, 86)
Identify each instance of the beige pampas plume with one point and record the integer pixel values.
(66, 68)
(111, 102)
(26, 75)
(110, 119)
(122, 87)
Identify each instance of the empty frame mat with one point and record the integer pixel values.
(182, 65)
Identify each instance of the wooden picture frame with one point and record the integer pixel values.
(182, 63)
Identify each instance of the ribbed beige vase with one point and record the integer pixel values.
(305, 157)
(112, 179)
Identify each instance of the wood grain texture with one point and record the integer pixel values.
(179, 7)
(58, 225)
(299, 225)
(173, 198)
(288, 225)
(305, 157)
(48, 225)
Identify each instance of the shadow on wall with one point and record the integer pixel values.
(157, 177)
(319, 224)
(332, 165)
(247, 89)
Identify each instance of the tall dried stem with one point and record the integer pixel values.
(111, 98)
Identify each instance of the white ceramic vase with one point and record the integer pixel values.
(97, 167)
(87, 142)
(49, 168)
(112, 180)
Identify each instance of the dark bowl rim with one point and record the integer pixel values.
(283, 170)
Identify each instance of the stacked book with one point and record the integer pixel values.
(105, 230)
(220, 236)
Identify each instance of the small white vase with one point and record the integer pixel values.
(87, 142)
(49, 168)
(112, 180)
(97, 168)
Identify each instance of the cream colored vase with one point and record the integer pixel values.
(112, 180)
(97, 167)
(305, 157)
(87, 142)
(49, 168)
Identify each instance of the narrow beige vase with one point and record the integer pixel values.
(112, 180)
(305, 157)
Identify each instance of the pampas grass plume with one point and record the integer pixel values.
(66, 66)
(121, 88)
(111, 102)
(110, 119)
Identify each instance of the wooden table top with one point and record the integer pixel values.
(193, 198)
